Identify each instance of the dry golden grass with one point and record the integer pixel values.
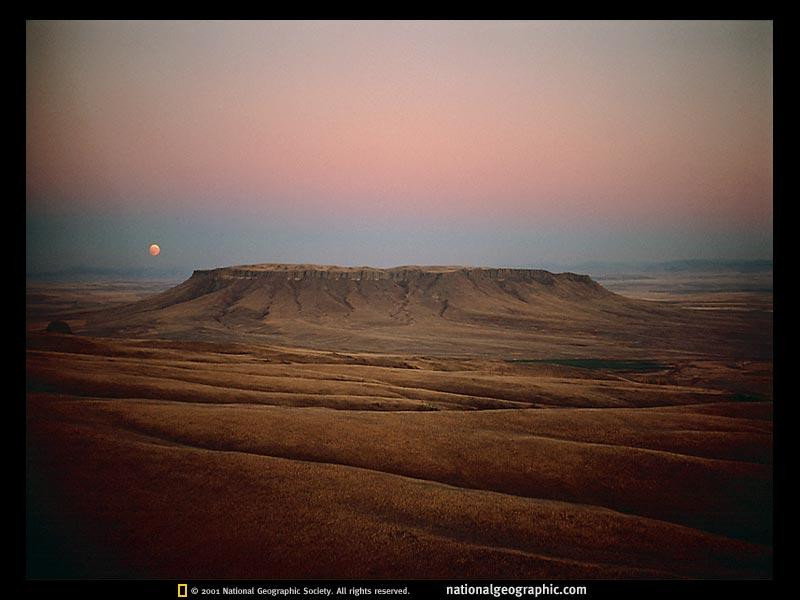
(367, 491)
(243, 457)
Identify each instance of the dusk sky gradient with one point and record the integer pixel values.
(388, 143)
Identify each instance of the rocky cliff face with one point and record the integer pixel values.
(399, 274)
(424, 277)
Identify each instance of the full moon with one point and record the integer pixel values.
(154, 249)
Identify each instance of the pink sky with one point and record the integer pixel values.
(628, 123)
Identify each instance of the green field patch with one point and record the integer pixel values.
(606, 364)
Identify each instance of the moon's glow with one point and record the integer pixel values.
(154, 249)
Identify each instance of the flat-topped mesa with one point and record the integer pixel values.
(269, 298)
(406, 309)
(299, 272)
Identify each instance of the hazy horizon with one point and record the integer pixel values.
(390, 143)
